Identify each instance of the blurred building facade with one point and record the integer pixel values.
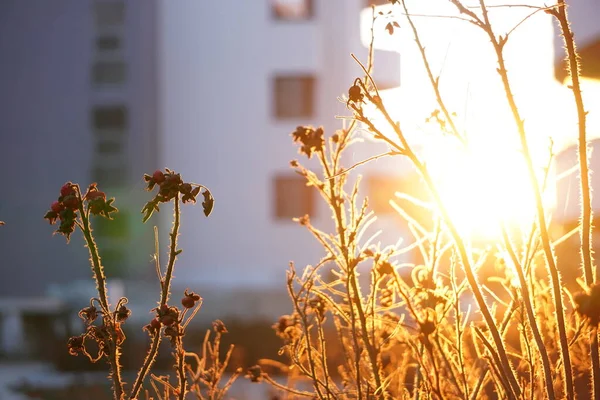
(236, 78)
(105, 90)
(79, 102)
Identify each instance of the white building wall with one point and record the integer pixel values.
(584, 16)
(217, 60)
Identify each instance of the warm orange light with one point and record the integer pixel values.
(486, 183)
(482, 186)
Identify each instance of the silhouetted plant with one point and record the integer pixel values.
(103, 323)
(409, 337)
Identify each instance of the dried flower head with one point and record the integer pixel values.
(153, 327)
(76, 345)
(355, 94)
(189, 299)
(88, 314)
(254, 373)
(122, 313)
(97, 203)
(219, 326)
(171, 185)
(311, 139)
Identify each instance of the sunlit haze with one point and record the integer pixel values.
(487, 180)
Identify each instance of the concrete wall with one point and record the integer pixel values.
(46, 138)
(217, 64)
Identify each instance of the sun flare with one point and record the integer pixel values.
(481, 186)
(487, 182)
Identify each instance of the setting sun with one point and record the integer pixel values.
(482, 186)
(485, 183)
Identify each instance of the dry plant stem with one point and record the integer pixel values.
(435, 82)
(531, 315)
(458, 328)
(148, 361)
(284, 388)
(173, 252)
(350, 270)
(530, 362)
(436, 372)
(180, 359)
(448, 366)
(96, 265)
(586, 202)
(504, 379)
(498, 44)
(458, 240)
(113, 347)
(165, 288)
(324, 359)
(305, 327)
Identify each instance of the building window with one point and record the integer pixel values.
(109, 177)
(370, 3)
(292, 10)
(108, 43)
(108, 147)
(109, 13)
(109, 72)
(294, 96)
(292, 197)
(381, 189)
(110, 118)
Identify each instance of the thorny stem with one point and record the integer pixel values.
(435, 83)
(458, 328)
(342, 237)
(97, 268)
(504, 379)
(351, 271)
(98, 271)
(586, 207)
(180, 357)
(278, 385)
(305, 325)
(173, 252)
(436, 373)
(586, 202)
(324, 356)
(531, 315)
(148, 361)
(458, 240)
(165, 289)
(448, 365)
(498, 44)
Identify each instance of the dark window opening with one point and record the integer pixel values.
(294, 96)
(110, 117)
(109, 177)
(370, 3)
(108, 147)
(109, 13)
(109, 72)
(292, 10)
(292, 197)
(108, 43)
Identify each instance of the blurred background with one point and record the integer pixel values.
(107, 90)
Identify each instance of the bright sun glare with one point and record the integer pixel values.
(482, 186)
(487, 183)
